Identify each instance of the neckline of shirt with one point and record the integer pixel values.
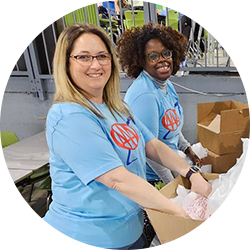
(162, 85)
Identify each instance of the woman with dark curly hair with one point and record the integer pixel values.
(151, 54)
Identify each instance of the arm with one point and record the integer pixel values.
(164, 173)
(192, 156)
(185, 146)
(162, 154)
(183, 143)
(139, 190)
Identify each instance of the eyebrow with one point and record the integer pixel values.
(153, 51)
(87, 52)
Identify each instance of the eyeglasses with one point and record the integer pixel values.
(86, 60)
(155, 57)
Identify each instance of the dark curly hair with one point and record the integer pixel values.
(131, 47)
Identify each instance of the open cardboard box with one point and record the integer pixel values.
(221, 163)
(170, 227)
(221, 125)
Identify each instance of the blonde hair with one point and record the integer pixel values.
(66, 89)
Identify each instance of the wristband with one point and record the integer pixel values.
(192, 170)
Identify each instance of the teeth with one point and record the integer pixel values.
(164, 67)
(94, 75)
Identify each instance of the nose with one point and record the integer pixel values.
(161, 58)
(95, 64)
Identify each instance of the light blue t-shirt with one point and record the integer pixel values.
(160, 112)
(83, 147)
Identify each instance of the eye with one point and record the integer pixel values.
(83, 57)
(167, 53)
(103, 57)
(153, 56)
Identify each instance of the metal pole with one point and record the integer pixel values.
(110, 23)
(46, 52)
(133, 13)
(167, 15)
(97, 16)
(121, 16)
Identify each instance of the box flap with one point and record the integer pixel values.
(210, 176)
(212, 122)
(169, 190)
(241, 106)
(215, 125)
(208, 138)
(234, 115)
(230, 120)
(208, 119)
(243, 122)
(204, 109)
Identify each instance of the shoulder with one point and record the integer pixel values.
(170, 84)
(67, 108)
(142, 88)
(144, 98)
(60, 111)
(170, 88)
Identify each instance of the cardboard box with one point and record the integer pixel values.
(221, 163)
(221, 125)
(170, 227)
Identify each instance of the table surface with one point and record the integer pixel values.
(18, 175)
(28, 154)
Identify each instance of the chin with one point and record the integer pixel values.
(163, 78)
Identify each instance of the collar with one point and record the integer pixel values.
(161, 84)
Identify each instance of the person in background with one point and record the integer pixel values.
(164, 13)
(124, 6)
(98, 149)
(151, 54)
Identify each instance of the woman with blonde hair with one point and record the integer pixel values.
(98, 149)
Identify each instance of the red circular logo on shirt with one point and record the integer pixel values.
(124, 136)
(171, 120)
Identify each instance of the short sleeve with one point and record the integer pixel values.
(79, 140)
(145, 108)
(147, 135)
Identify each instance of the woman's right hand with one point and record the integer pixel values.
(181, 213)
(193, 157)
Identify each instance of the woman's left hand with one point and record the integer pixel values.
(193, 157)
(199, 185)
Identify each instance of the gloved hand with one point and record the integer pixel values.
(193, 157)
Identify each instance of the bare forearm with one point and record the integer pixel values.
(140, 191)
(164, 155)
(146, 195)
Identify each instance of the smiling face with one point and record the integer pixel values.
(163, 68)
(93, 77)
